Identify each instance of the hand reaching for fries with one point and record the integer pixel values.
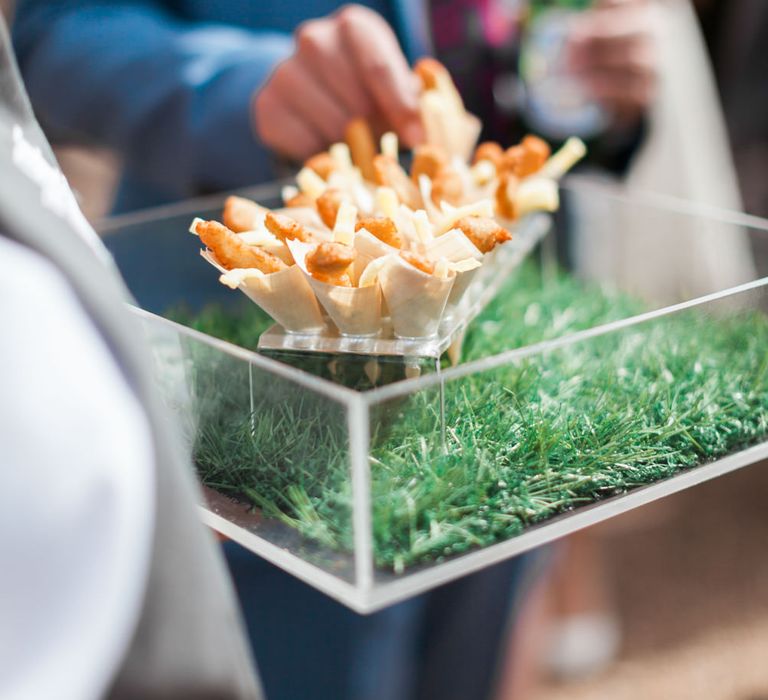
(612, 49)
(344, 66)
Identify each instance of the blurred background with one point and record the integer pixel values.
(689, 579)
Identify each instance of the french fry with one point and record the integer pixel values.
(389, 173)
(572, 152)
(344, 228)
(310, 183)
(362, 146)
(505, 197)
(536, 194)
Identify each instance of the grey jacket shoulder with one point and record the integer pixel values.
(189, 641)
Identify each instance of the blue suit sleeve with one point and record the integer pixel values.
(173, 98)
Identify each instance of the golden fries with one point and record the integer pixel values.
(329, 263)
(232, 253)
(362, 146)
(404, 241)
(389, 173)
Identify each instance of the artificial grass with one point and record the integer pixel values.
(521, 443)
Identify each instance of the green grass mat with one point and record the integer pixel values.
(521, 443)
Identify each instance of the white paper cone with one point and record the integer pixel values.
(415, 299)
(284, 295)
(355, 311)
(453, 246)
(368, 248)
(460, 286)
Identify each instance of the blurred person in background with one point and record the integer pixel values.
(199, 97)
(736, 32)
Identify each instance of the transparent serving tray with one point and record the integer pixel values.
(360, 493)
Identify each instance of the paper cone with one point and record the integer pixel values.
(461, 284)
(453, 246)
(284, 295)
(355, 311)
(415, 299)
(368, 248)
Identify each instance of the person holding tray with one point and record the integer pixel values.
(199, 97)
(110, 585)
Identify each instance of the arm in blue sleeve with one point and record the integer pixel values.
(173, 98)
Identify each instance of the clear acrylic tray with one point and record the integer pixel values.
(375, 495)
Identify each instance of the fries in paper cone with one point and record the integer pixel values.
(360, 236)
(285, 294)
(356, 311)
(415, 298)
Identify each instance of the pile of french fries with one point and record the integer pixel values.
(364, 244)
